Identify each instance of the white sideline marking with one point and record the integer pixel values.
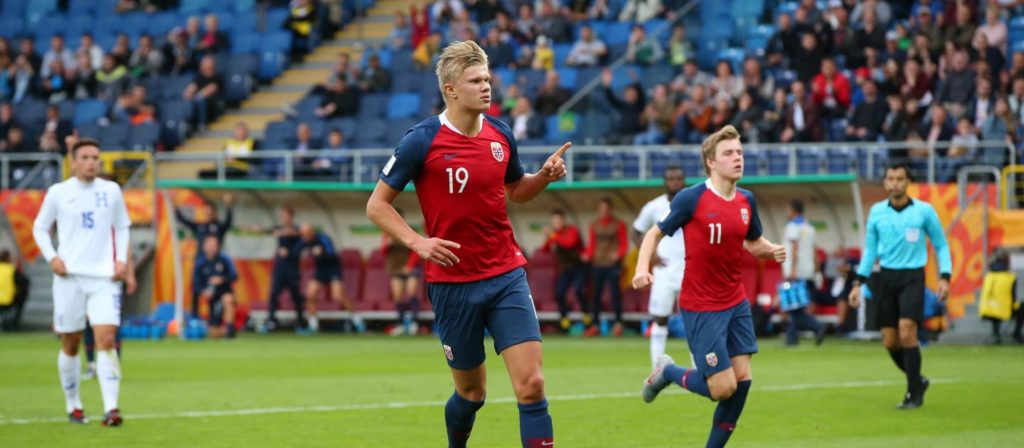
(429, 404)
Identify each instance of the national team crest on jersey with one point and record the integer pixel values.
(712, 359)
(448, 353)
(745, 216)
(497, 151)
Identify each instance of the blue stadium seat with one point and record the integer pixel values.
(30, 110)
(403, 105)
(617, 33)
(778, 162)
(162, 23)
(277, 41)
(808, 161)
(245, 42)
(561, 53)
(692, 163)
(317, 127)
(246, 21)
(346, 125)
(37, 9)
(272, 64)
(707, 50)
(66, 108)
(115, 135)
(370, 134)
(840, 160)
(11, 27)
(603, 164)
(529, 80)
(594, 127)
(239, 85)
(144, 137)
(658, 74)
(279, 131)
(173, 87)
(193, 6)
(55, 24)
(276, 18)
(401, 61)
(81, 7)
(88, 111)
(405, 81)
(621, 76)
(305, 109)
(561, 129)
(567, 77)
(373, 106)
(88, 130)
(735, 57)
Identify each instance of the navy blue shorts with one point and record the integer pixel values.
(501, 304)
(216, 316)
(716, 336)
(326, 275)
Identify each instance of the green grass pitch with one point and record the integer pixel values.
(337, 391)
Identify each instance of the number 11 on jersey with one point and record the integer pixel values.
(716, 232)
(460, 175)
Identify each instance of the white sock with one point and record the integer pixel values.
(659, 338)
(70, 380)
(314, 323)
(109, 374)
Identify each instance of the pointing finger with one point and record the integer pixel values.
(561, 151)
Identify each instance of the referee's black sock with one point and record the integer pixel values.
(897, 357)
(912, 360)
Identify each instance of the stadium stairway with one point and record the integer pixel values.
(268, 103)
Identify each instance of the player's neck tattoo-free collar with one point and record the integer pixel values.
(910, 201)
(448, 124)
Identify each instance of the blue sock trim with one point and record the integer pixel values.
(534, 408)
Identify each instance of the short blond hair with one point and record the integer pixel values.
(455, 59)
(710, 144)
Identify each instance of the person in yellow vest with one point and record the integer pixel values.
(13, 292)
(237, 149)
(998, 300)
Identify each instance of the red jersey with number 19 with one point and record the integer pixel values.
(714, 229)
(460, 182)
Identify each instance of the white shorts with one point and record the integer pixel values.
(664, 294)
(77, 297)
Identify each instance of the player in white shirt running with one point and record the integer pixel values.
(671, 252)
(92, 228)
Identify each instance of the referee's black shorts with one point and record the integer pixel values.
(900, 295)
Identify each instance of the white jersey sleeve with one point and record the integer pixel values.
(647, 218)
(90, 217)
(122, 223)
(44, 222)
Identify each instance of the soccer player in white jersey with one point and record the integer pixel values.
(671, 253)
(92, 229)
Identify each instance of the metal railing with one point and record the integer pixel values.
(866, 160)
(19, 171)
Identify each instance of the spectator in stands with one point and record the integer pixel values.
(930, 30)
(338, 101)
(6, 52)
(212, 40)
(48, 143)
(551, 95)
(122, 50)
(606, 250)
(680, 49)
(725, 84)
(14, 288)
(916, 84)
(1001, 125)
(979, 108)
(657, 118)
(963, 145)
(336, 142)
(212, 279)
(782, 46)
(822, 30)
(238, 148)
(589, 51)
(56, 51)
(27, 48)
(178, 58)
(22, 79)
(5, 77)
(869, 117)
(831, 93)
(374, 78)
(443, 11)
(803, 119)
(641, 50)
(842, 36)
(936, 129)
(722, 113)
(88, 47)
(746, 118)
(543, 55)
(149, 6)
(640, 11)
(694, 116)
(500, 54)
(552, 24)
(961, 32)
(82, 79)
(193, 32)
(302, 143)
(600, 10)
(146, 60)
(424, 56)
(7, 120)
(16, 144)
(400, 36)
(526, 24)
(871, 34)
(564, 240)
(892, 48)
(54, 88)
(1017, 65)
(485, 11)
(420, 26)
(755, 81)
(111, 80)
(55, 123)
(960, 81)
(205, 91)
(690, 76)
(994, 30)
(462, 27)
(879, 10)
(807, 59)
(896, 125)
(630, 108)
(526, 125)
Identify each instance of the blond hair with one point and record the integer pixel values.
(455, 59)
(710, 144)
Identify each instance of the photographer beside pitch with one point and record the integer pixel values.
(895, 235)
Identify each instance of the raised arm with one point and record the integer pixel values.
(529, 186)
